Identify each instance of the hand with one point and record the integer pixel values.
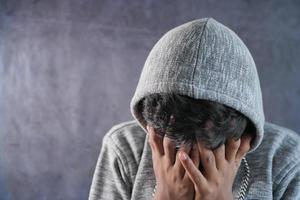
(220, 168)
(171, 178)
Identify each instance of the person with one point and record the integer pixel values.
(199, 130)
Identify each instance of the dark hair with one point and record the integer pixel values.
(183, 118)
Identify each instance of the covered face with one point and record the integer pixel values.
(203, 59)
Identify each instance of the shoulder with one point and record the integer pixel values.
(279, 144)
(128, 134)
(278, 152)
(127, 139)
(283, 142)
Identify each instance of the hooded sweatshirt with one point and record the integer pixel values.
(202, 59)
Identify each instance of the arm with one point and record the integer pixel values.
(110, 180)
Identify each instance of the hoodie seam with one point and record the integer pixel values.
(197, 56)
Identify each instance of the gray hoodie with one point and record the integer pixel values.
(202, 59)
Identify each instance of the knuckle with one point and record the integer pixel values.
(208, 158)
(168, 143)
(217, 183)
(198, 181)
(168, 169)
(222, 174)
(173, 178)
(185, 190)
(236, 144)
(232, 144)
(209, 190)
(237, 163)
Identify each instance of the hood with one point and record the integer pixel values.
(203, 59)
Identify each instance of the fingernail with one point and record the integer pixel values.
(182, 156)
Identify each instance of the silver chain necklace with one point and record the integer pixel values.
(244, 186)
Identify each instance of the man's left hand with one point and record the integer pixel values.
(220, 168)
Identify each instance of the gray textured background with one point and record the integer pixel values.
(68, 70)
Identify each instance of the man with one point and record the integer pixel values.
(199, 130)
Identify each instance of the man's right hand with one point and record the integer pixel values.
(172, 181)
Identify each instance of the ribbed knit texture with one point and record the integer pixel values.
(203, 59)
(124, 169)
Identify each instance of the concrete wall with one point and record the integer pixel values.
(68, 70)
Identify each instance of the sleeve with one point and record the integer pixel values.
(109, 180)
(289, 186)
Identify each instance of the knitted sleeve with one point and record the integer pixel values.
(110, 180)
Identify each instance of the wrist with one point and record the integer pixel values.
(158, 194)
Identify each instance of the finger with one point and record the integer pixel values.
(232, 147)
(192, 171)
(244, 146)
(155, 141)
(220, 156)
(195, 157)
(169, 149)
(208, 161)
(183, 148)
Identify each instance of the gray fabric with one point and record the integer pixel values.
(205, 60)
(124, 168)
